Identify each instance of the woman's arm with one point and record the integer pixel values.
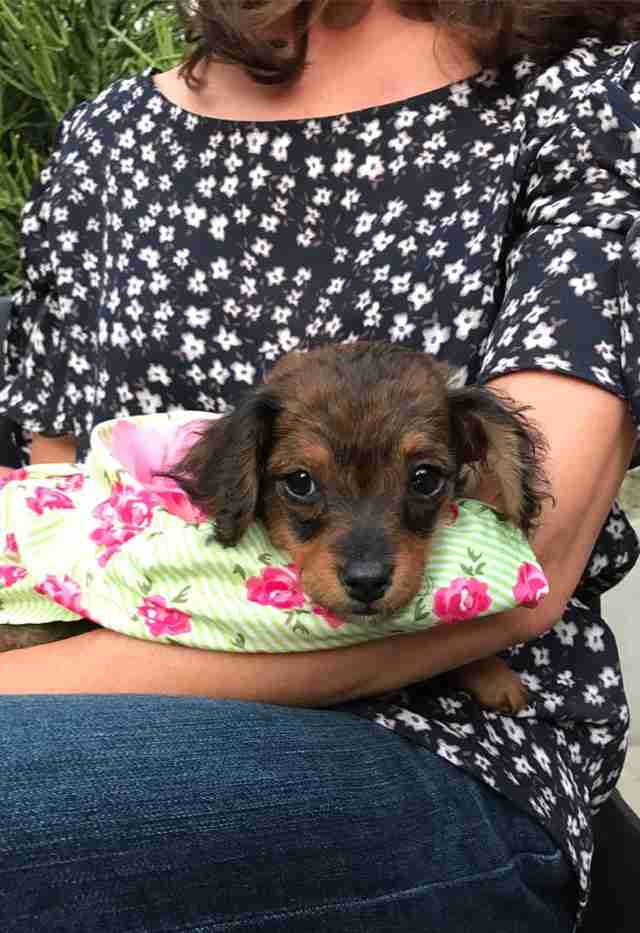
(590, 439)
(53, 449)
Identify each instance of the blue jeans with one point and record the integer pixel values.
(146, 814)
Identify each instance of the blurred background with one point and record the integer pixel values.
(52, 56)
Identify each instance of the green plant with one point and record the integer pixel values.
(52, 56)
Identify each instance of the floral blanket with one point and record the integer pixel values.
(111, 542)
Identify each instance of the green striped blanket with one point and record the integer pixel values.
(92, 542)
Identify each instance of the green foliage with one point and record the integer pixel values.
(53, 55)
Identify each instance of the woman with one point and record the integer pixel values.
(315, 172)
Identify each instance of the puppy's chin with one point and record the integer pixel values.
(367, 615)
(345, 609)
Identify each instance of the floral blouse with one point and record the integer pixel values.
(171, 258)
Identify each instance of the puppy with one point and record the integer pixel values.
(350, 455)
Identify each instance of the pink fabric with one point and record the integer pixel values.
(145, 452)
(464, 598)
(276, 586)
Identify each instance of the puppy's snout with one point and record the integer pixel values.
(366, 580)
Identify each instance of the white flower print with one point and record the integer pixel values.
(541, 336)
(315, 166)
(449, 752)
(593, 636)
(344, 162)
(372, 168)
(542, 758)
(280, 147)
(420, 296)
(194, 215)
(487, 222)
(287, 340)
(468, 320)
(552, 701)
(401, 328)
(192, 347)
(584, 284)
(592, 695)
(149, 402)
(197, 317)
(523, 765)
(258, 176)
(226, 339)
(413, 721)
(197, 283)
(217, 227)
(243, 372)
(372, 317)
(608, 677)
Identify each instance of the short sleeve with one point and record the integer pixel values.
(572, 295)
(43, 358)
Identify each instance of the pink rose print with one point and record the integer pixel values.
(10, 476)
(332, 620)
(532, 585)
(161, 620)
(146, 452)
(464, 598)
(176, 501)
(127, 506)
(112, 535)
(70, 483)
(278, 587)
(453, 513)
(10, 574)
(66, 592)
(48, 500)
(10, 544)
(126, 513)
(111, 538)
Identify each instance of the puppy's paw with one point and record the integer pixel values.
(493, 684)
(508, 696)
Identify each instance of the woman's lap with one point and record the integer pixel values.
(148, 814)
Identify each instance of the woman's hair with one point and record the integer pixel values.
(497, 31)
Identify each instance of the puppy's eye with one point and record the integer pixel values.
(426, 480)
(300, 485)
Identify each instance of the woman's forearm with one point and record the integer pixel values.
(107, 662)
(53, 449)
(588, 457)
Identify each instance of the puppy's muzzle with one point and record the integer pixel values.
(366, 580)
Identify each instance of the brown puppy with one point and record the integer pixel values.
(350, 455)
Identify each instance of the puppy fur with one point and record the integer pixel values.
(350, 455)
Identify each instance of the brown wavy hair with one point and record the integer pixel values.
(496, 31)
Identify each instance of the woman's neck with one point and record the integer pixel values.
(384, 58)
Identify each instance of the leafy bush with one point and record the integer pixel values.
(52, 56)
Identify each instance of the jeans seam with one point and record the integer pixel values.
(219, 926)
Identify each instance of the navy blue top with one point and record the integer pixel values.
(170, 258)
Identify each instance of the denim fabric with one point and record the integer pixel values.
(146, 814)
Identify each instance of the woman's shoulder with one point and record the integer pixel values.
(73, 175)
(588, 69)
(108, 115)
(590, 90)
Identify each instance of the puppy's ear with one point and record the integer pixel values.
(222, 471)
(493, 437)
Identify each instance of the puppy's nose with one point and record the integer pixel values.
(366, 580)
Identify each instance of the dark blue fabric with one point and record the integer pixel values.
(148, 814)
